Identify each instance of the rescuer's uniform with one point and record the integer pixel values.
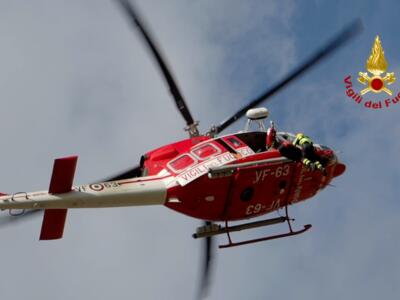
(310, 159)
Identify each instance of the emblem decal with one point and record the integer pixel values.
(376, 65)
(375, 80)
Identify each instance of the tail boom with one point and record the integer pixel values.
(150, 190)
(144, 191)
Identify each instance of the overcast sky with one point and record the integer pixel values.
(76, 79)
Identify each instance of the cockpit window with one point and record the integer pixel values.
(206, 151)
(233, 141)
(255, 140)
(323, 147)
(285, 136)
(181, 163)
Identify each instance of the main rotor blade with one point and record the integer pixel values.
(207, 265)
(343, 37)
(150, 42)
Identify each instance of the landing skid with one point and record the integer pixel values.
(214, 229)
(272, 237)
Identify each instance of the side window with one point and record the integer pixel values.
(233, 142)
(205, 151)
(257, 140)
(181, 163)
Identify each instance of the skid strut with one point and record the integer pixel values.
(214, 229)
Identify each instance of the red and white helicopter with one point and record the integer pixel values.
(212, 177)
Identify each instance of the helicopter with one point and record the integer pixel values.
(208, 176)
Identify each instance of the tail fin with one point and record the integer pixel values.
(61, 182)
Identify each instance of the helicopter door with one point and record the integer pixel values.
(259, 189)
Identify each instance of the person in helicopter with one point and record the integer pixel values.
(285, 148)
(310, 158)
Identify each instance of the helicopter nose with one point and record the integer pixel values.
(339, 169)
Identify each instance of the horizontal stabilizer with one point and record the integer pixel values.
(61, 182)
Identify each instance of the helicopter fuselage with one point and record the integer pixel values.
(235, 176)
(227, 178)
